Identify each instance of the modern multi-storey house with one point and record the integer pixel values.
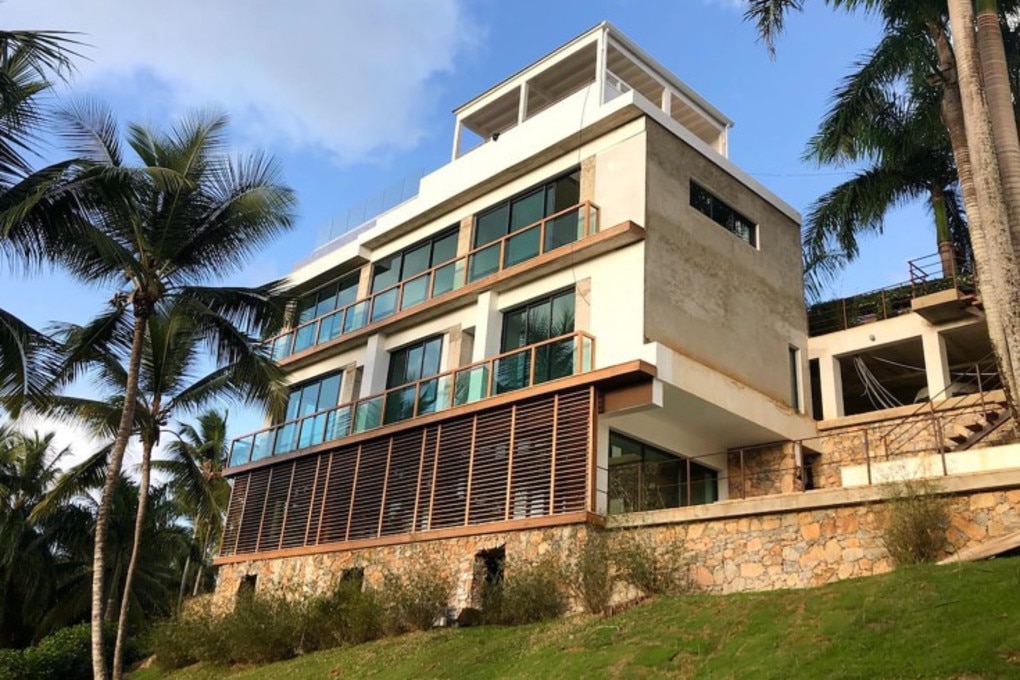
(589, 312)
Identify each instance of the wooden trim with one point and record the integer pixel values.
(583, 517)
(325, 492)
(311, 501)
(421, 471)
(562, 384)
(435, 471)
(471, 471)
(354, 492)
(240, 516)
(592, 451)
(385, 486)
(286, 505)
(265, 503)
(552, 461)
(626, 232)
(510, 461)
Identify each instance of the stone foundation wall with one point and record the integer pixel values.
(788, 548)
(892, 439)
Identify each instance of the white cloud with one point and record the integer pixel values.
(352, 77)
(727, 4)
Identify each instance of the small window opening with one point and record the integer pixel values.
(488, 574)
(246, 589)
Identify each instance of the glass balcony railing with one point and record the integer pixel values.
(546, 235)
(542, 362)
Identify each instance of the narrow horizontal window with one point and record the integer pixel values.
(722, 214)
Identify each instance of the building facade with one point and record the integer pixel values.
(588, 315)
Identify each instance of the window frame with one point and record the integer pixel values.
(508, 204)
(431, 242)
(720, 210)
(686, 464)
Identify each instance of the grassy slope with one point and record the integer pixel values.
(924, 622)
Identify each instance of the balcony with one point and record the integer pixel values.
(928, 278)
(555, 231)
(552, 359)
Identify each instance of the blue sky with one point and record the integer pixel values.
(352, 96)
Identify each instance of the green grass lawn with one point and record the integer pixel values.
(960, 621)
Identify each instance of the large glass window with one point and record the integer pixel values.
(331, 297)
(522, 211)
(408, 265)
(313, 398)
(712, 206)
(532, 323)
(642, 477)
(411, 364)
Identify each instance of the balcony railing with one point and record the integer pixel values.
(927, 275)
(555, 231)
(542, 362)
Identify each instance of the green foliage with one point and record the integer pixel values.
(416, 598)
(65, 655)
(916, 521)
(640, 564)
(591, 576)
(527, 593)
(347, 615)
(185, 639)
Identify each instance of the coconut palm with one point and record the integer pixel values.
(172, 383)
(28, 61)
(155, 233)
(195, 468)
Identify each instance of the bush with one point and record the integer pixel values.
(12, 664)
(591, 576)
(917, 518)
(416, 598)
(260, 630)
(641, 565)
(186, 639)
(65, 655)
(528, 593)
(347, 615)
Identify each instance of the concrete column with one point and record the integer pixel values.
(349, 386)
(464, 236)
(488, 326)
(373, 380)
(451, 349)
(832, 386)
(936, 364)
(364, 282)
(587, 191)
(582, 305)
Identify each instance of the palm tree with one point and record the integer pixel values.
(30, 546)
(900, 135)
(195, 468)
(170, 385)
(157, 233)
(966, 117)
(28, 60)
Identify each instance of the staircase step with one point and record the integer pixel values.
(975, 427)
(958, 438)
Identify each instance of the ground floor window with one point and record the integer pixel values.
(643, 477)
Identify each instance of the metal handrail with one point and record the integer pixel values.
(463, 385)
(387, 302)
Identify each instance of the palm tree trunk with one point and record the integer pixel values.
(947, 253)
(125, 600)
(120, 443)
(200, 567)
(992, 241)
(995, 75)
(184, 572)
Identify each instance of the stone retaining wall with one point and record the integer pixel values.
(793, 548)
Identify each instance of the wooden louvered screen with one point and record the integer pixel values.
(525, 460)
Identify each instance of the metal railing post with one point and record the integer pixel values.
(743, 480)
(867, 455)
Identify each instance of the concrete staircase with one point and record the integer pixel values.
(969, 434)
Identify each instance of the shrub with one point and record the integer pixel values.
(591, 576)
(917, 518)
(416, 598)
(12, 664)
(261, 629)
(653, 573)
(527, 593)
(346, 615)
(65, 655)
(186, 639)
